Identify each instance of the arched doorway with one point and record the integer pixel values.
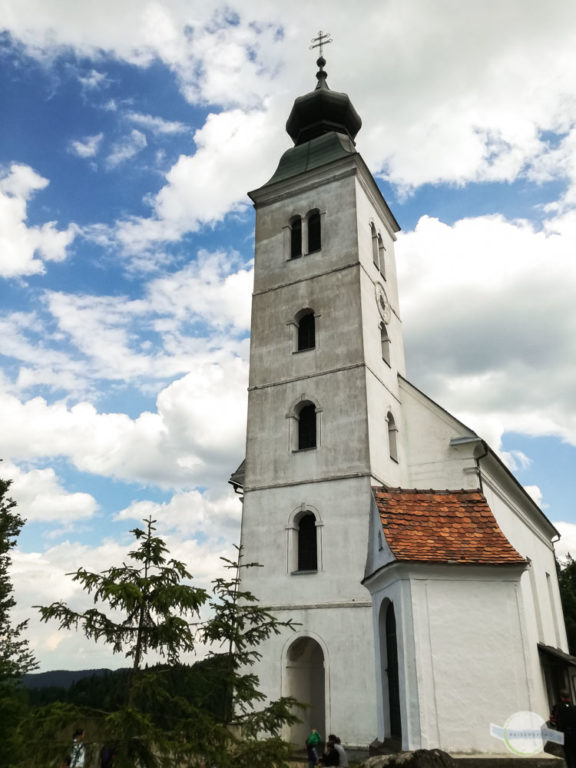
(305, 681)
(389, 667)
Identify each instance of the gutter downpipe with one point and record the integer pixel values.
(477, 459)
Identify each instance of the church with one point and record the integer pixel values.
(419, 573)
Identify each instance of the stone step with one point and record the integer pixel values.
(543, 760)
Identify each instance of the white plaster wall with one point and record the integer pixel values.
(539, 590)
(347, 641)
(379, 553)
(522, 529)
(342, 429)
(385, 470)
(462, 661)
(335, 298)
(332, 606)
(368, 209)
(343, 511)
(393, 585)
(433, 463)
(371, 335)
(331, 190)
(470, 657)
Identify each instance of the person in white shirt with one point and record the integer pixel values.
(343, 757)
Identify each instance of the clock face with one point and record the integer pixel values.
(383, 303)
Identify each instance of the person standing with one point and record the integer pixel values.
(564, 718)
(312, 743)
(78, 752)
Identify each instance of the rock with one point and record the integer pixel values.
(421, 758)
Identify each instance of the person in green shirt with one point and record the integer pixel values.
(312, 742)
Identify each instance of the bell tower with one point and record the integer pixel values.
(324, 416)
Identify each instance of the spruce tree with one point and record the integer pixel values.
(148, 605)
(16, 658)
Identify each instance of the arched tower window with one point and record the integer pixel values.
(392, 436)
(295, 237)
(381, 256)
(374, 236)
(306, 330)
(304, 542)
(307, 426)
(314, 232)
(385, 341)
(307, 543)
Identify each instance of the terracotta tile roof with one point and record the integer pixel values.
(442, 527)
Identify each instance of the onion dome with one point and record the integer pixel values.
(322, 111)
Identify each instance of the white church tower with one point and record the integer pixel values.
(364, 568)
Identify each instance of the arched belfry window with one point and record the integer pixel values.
(385, 342)
(306, 330)
(295, 237)
(392, 436)
(314, 232)
(307, 543)
(304, 541)
(381, 256)
(306, 426)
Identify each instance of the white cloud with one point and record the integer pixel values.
(41, 578)
(93, 80)
(535, 493)
(157, 124)
(192, 514)
(23, 248)
(567, 544)
(488, 311)
(41, 497)
(484, 81)
(87, 147)
(205, 187)
(517, 461)
(206, 289)
(196, 436)
(199, 315)
(126, 148)
(497, 82)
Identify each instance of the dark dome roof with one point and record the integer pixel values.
(322, 111)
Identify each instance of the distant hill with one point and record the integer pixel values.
(59, 678)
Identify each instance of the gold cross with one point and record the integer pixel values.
(320, 41)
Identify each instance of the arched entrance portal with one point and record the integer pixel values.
(389, 667)
(306, 682)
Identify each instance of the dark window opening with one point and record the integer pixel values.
(307, 427)
(381, 257)
(314, 235)
(307, 332)
(374, 236)
(385, 341)
(296, 238)
(307, 546)
(392, 437)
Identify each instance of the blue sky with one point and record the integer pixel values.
(130, 134)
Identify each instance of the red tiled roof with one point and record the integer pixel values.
(442, 527)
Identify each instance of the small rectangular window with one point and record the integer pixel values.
(307, 427)
(314, 235)
(296, 238)
(307, 543)
(307, 332)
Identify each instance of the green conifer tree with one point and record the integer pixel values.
(16, 658)
(155, 608)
